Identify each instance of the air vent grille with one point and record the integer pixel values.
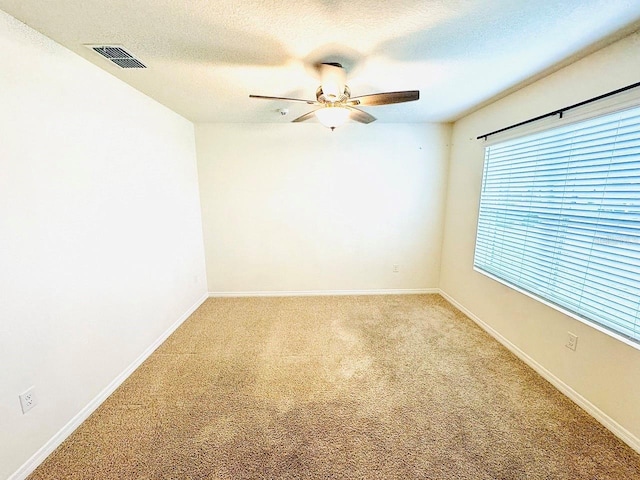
(128, 63)
(118, 55)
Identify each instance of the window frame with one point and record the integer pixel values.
(623, 102)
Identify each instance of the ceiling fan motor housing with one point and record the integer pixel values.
(322, 98)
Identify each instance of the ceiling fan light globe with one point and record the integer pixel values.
(332, 117)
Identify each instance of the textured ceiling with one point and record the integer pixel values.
(206, 57)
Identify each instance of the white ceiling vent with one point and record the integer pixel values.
(118, 55)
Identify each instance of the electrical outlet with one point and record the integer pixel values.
(28, 399)
(572, 341)
(396, 268)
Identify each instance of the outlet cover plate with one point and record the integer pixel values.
(28, 399)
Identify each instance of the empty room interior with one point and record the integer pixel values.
(329, 239)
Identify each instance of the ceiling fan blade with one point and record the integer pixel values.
(360, 115)
(304, 117)
(310, 102)
(385, 98)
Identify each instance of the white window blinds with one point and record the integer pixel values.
(560, 218)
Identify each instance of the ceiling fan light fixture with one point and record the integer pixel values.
(332, 117)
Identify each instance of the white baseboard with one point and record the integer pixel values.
(37, 458)
(308, 293)
(618, 430)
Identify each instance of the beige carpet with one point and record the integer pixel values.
(363, 387)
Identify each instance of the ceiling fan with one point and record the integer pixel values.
(334, 100)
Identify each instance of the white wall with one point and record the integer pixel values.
(100, 232)
(296, 207)
(603, 370)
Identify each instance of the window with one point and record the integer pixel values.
(560, 219)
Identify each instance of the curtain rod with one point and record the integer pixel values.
(560, 111)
